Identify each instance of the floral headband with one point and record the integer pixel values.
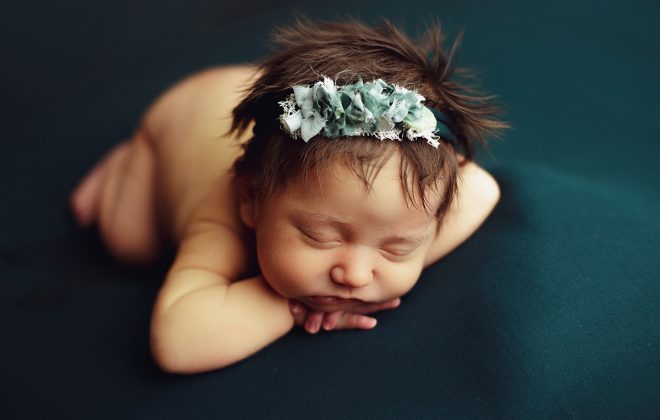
(379, 109)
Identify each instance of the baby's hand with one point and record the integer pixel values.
(313, 320)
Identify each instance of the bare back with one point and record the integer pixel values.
(194, 156)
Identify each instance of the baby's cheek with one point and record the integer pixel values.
(401, 279)
(289, 270)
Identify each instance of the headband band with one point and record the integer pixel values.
(379, 109)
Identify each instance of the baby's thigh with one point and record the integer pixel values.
(128, 218)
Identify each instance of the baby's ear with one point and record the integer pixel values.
(247, 205)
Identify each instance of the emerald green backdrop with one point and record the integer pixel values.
(551, 310)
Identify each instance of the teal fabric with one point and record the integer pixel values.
(360, 108)
(551, 310)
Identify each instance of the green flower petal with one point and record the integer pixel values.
(372, 108)
(311, 126)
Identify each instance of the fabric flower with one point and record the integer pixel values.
(373, 108)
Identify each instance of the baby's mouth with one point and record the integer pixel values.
(331, 300)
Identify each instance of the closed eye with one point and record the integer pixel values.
(318, 239)
(399, 252)
(403, 247)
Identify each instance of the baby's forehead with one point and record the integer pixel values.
(385, 178)
(376, 219)
(336, 182)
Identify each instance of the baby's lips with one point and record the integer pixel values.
(331, 300)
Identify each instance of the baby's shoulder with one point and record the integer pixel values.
(215, 237)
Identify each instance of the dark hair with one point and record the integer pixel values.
(347, 51)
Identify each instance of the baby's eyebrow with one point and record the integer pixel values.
(323, 218)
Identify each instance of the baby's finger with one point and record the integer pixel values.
(331, 319)
(379, 306)
(356, 321)
(299, 312)
(313, 323)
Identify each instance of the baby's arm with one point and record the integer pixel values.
(202, 320)
(478, 193)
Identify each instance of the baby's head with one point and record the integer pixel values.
(352, 216)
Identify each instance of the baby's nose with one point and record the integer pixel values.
(354, 272)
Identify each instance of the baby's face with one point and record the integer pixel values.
(333, 244)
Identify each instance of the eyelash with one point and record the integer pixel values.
(398, 254)
(395, 254)
(311, 237)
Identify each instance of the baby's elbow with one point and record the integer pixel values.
(485, 197)
(486, 191)
(165, 354)
(167, 364)
(174, 354)
(171, 359)
(493, 192)
(167, 350)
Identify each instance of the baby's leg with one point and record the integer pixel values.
(119, 194)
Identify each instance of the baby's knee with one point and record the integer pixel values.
(133, 250)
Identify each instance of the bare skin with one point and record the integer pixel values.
(170, 182)
(163, 173)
